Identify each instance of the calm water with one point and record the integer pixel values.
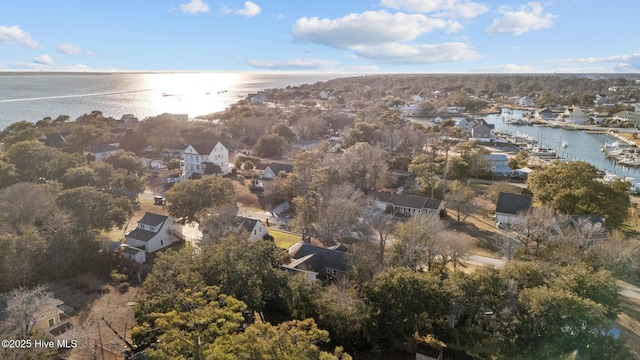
(581, 146)
(33, 97)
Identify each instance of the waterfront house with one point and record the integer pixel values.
(400, 204)
(575, 115)
(631, 117)
(152, 233)
(196, 156)
(483, 132)
(546, 114)
(511, 208)
(526, 101)
(100, 152)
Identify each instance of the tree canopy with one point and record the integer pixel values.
(575, 188)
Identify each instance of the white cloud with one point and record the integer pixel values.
(384, 37)
(620, 63)
(70, 49)
(367, 28)
(527, 18)
(15, 35)
(294, 64)
(509, 69)
(396, 53)
(32, 66)
(446, 8)
(250, 9)
(43, 59)
(194, 7)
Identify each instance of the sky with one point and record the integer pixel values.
(346, 36)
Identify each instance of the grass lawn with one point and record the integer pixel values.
(283, 239)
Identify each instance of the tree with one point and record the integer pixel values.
(306, 212)
(8, 174)
(173, 164)
(290, 340)
(132, 142)
(339, 208)
(382, 222)
(127, 161)
(364, 166)
(426, 170)
(25, 307)
(212, 169)
(247, 270)
(520, 160)
(574, 188)
(19, 131)
(193, 324)
(270, 145)
(536, 227)
(85, 136)
(419, 242)
(187, 199)
(284, 131)
(94, 210)
(394, 319)
(460, 198)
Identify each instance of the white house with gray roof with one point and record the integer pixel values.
(401, 204)
(196, 156)
(152, 233)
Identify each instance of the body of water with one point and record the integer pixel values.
(32, 97)
(581, 146)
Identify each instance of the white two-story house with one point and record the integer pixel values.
(196, 156)
(152, 234)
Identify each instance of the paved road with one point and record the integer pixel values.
(483, 260)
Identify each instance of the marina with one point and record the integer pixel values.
(568, 144)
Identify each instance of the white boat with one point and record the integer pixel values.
(565, 143)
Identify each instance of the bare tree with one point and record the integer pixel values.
(419, 242)
(455, 248)
(536, 227)
(382, 223)
(217, 221)
(339, 208)
(26, 307)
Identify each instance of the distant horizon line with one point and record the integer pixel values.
(111, 72)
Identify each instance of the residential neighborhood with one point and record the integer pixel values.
(330, 210)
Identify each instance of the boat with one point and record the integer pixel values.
(565, 143)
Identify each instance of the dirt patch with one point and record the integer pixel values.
(245, 196)
(95, 304)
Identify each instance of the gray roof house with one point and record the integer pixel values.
(407, 204)
(318, 263)
(511, 207)
(152, 233)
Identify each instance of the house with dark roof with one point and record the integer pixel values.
(498, 164)
(317, 263)
(152, 233)
(196, 156)
(132, 253)
(269, 172)
(55, 140)
(100, 152)
(401, 204)
(483, 132)
(511, 208)
(255, 228)
(591, 227)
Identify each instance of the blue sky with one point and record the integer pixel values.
(380, 36)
